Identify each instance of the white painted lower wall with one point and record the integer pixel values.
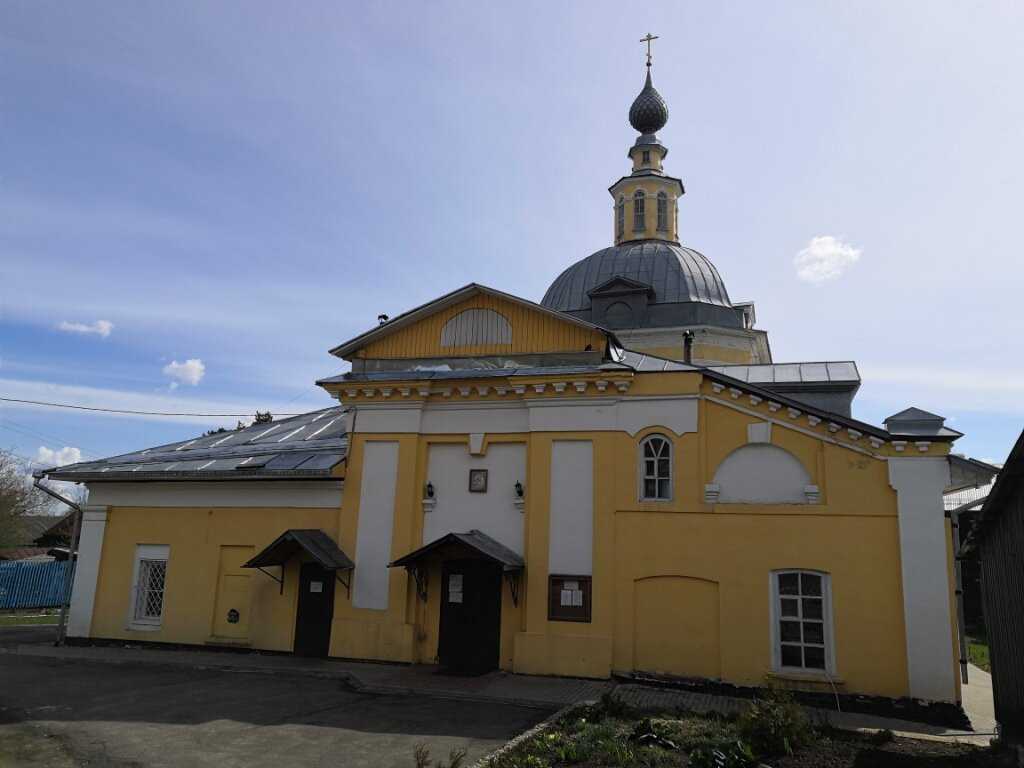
(457, 510)
(571, 541)
(374, 526)
(919, 483)
(87, 570)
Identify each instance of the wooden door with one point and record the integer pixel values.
(315, 611)
(470, 631)
(231, 606)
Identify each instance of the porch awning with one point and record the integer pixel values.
(315, 543)
(478, 541)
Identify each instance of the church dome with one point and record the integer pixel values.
(649, 112)
(676, 274)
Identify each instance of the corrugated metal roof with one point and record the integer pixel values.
(315, 543)
(792, 373)
(475, 540)
(301, 446)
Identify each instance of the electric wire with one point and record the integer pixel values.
(131, 412)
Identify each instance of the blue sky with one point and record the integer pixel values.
(246, 184)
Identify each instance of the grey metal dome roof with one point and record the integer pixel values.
(649, 112)
(677, 274)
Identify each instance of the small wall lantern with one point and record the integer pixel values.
(519, 489)
(518, 500)
(428, 501)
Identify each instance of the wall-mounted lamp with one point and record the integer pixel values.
(428, 490)
(519, 489)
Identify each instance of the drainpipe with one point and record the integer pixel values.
(688, 347)
(958, 582)
(76, 530)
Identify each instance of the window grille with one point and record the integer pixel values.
(656, 466)
(639, 213)
(662, 212)
(149, 597)
(801, 616)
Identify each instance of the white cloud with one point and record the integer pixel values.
(66, 455)
(189, 372)
(824, 258)
(101, 327)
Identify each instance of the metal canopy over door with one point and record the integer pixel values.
(470, 631)
(315, 611)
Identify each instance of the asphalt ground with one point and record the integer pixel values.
(68, 713)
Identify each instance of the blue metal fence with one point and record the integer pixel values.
(31, 584)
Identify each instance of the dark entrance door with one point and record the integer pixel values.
(470, 632)
(315, 611)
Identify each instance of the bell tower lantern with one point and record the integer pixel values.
(646, 201)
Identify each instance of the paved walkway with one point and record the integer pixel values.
(526, 690)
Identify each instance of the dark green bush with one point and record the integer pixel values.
(735, 754)
(775, 725)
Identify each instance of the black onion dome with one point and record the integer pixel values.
(649, 112)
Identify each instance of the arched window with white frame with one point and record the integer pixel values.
(662, 212)
(802, 622)
(620, 217)
(639, 211)
(656, 468)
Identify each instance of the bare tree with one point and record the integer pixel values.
(17, 498)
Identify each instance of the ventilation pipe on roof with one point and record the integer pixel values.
(76, 529)
(688, 347)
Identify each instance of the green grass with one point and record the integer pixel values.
(977, 653)
(12, 621)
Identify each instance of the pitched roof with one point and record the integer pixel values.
(476, 540)
(301, 447)
(448, 300)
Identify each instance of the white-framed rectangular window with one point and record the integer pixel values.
(802, 622)
(148, 582)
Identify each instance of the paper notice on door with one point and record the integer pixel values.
(577, 597)
(455, 582)
(316, 586)
(566, 597)
(454, 597)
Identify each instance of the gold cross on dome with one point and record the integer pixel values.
(648, 41)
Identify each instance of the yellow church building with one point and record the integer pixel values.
(617, 479)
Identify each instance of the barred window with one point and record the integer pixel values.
(620, 217)
(639, 213)
(147, 606)
(656, 469)
(662, 212)
(802, 625)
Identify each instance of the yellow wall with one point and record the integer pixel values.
(194, 538)
(651, 185)
(533, 332)
(680, 587)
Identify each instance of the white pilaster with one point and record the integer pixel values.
(87, 570)
(924, 564)
(375, 521)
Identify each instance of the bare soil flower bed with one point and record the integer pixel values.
(775, 732)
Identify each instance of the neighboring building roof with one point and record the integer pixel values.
(676, 273)
(449, 300)
(301, 447)
(1009, 485)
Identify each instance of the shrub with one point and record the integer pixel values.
(735, 754)
(883, 736)
(775, 725)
